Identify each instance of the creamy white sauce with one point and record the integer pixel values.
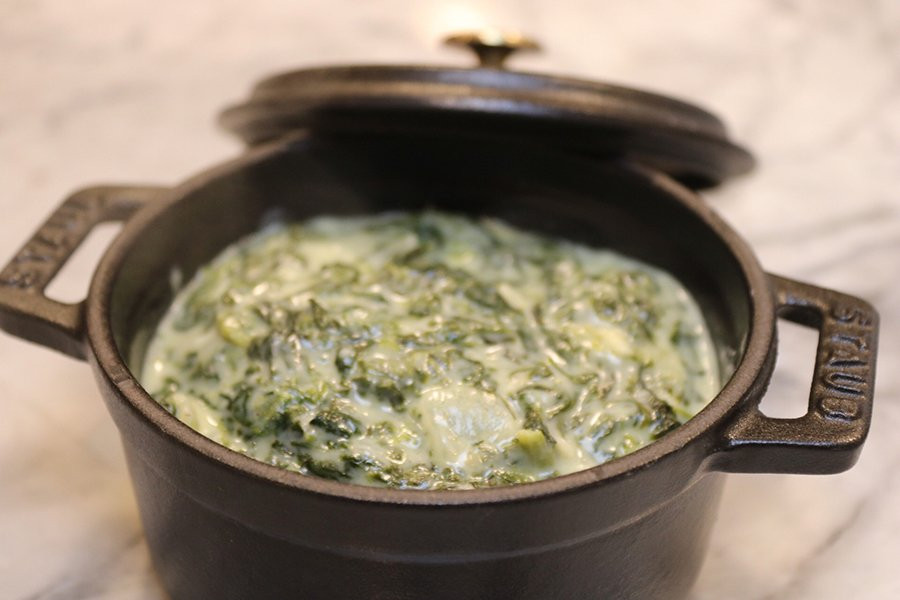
(429, 351)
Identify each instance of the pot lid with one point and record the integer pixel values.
(488, 101)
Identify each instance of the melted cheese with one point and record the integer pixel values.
(429, 351)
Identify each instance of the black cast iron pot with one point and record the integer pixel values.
(221, 525)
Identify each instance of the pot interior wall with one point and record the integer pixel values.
(600, 204)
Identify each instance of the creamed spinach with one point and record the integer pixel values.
(429, 351)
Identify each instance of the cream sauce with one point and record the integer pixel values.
(429, 351)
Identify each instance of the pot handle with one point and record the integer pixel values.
(829, 437)
(25, 311)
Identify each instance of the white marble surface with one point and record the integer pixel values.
(113, 91)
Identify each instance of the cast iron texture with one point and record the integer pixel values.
(221, 525)
(584, 117)
(26, 311)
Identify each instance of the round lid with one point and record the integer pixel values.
(487, 101)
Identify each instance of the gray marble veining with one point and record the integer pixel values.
(104, 91)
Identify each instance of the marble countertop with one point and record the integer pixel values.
(110, 91)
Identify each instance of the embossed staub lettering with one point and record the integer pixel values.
(844, 375)
(840, 408)
(850, 314)
(16, 278)
(847, 383)
(45, 253)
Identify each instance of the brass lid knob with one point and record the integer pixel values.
(492, 47)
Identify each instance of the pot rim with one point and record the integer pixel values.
(110, 364)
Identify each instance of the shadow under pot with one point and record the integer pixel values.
(222, 525)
